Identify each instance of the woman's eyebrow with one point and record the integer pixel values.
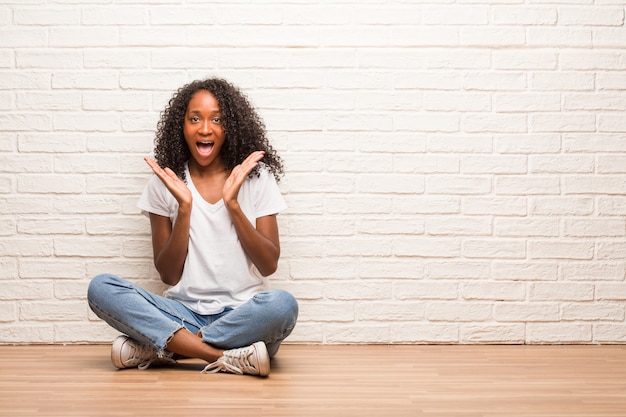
(216, 111)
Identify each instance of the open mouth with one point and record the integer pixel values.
(204, 148)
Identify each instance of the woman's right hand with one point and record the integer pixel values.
(175, 185)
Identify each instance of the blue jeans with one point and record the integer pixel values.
(269, 316)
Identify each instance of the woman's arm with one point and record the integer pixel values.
(170, 244)
(261, 243)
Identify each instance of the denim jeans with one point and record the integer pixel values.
(269, 316)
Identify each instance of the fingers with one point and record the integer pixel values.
(251, 162)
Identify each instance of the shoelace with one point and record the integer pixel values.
(234, 361)
(142, 352)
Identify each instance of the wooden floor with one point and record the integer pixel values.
(325, 381)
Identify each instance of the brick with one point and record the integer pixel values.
(526, 312)
(510, 334)
(593, 271)
(51, 268)
(427, 247)
(562, 81)
(424, 333)
(383, 268)
(611, 164)
(479, 36)
(561, 164)
(560, 249)
(496, 123)
(507, 206)
(462, 226)
(112, 58)
(25, 163)
(467, 269)
(51, 226)
(57, 183)
(84, 333)
(559, 37)
(8, 312)
(558, 333)
(494, 164)
(494, 81)
(426, 205)
(561, 291)
(321, 226)
(533, 102)
(594, 227)
(463, 185)
(389, 311)
(529, 15)
(524, 271)
(32, 332)
(465, 144)
(337, 268)
(51, 142)
(455, 101)
(349, 333)
(51, 58)
(609, 333)
(389, 183)
(46, 16)
(426, 164)
(610, 291)
(593, 311)
(458, 312)
(93, 247)
(508, 227)
(433, 122)
(8, 269)
(561, 206)
(119, 15)
(20, 37)
(612, 205)
(387, 226)
(520, 59)
(20, 122)
(606, 184)
(605, 16)
(493, 290)
(527, 185)
(494, 248)
(425, 290)
(327, 311)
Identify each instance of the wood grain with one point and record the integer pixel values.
(361, 380)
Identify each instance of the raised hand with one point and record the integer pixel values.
(238, 175)
(175, 185)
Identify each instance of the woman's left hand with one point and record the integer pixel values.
(238, 175)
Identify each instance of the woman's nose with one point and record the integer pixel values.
(204, 127)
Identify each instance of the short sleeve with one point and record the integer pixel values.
(157, 199)
(267, 197)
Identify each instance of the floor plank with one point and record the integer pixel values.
(362, 380)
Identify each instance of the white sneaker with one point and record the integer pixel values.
(128, 353)
(250, 360)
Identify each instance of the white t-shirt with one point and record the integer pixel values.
(217, 273)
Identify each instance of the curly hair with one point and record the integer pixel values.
(244, 131)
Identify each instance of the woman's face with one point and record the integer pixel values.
(203, 129)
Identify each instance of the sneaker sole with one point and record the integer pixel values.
(263, 357)
(116, 350)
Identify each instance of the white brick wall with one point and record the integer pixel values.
(456, 172)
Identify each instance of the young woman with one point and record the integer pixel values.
(212, 205)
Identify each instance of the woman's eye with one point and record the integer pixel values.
(194, 119)
(217, 120)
